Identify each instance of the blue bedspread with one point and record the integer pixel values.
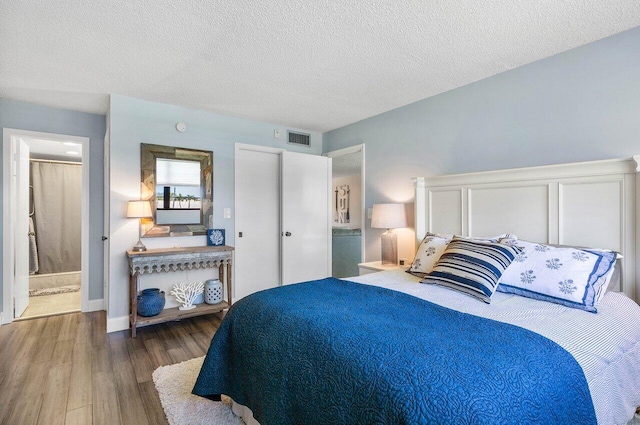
(337, 352)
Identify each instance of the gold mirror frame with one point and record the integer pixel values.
(148, 158)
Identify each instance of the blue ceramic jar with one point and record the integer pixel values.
(150, 302)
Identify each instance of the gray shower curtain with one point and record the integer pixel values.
(57, 201)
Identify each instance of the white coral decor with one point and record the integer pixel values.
(186, 293)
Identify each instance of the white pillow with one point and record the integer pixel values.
(429, 251)
(572, 277)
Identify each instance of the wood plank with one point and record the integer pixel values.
(168, 338)
(8, 343)
(190, 325)
(98, 328)
(188, 343)
(80, 416)
(69, 327)
(45, 349)
(53, 325)
(209, 323)
(17, 368)
(55, 395)
(131, 408)
(83, 331)
(203, 340)
(104, 379)
(151, 403)
(62, 352)
(25, 405)
(11, 389)
(106, 409)
(178, 355)
(157, 353)
(80, 392)
(101, 359)
(169, 314)
(117, 342)
(134, 344)
(143, 366)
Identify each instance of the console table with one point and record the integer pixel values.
(174, 259)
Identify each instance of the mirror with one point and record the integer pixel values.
(178, 182)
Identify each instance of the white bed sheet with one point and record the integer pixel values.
(606, 344)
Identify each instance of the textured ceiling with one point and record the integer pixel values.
(315, 65)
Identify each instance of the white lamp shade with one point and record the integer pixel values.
(139, 209)
(388, 216)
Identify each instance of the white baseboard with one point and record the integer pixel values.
(95, 305)
(117, 324)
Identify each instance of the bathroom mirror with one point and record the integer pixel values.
(178, 182)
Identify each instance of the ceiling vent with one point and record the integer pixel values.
(299, 139)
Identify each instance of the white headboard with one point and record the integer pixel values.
(591, 204)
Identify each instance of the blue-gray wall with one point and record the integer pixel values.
(27, 116)
(579, 105)
(135, 121)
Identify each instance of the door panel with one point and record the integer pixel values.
(21, 289)
(257, 217)
(306, 252)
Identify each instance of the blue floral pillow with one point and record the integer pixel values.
(568, 276)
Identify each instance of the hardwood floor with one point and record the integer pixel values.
(68, 370)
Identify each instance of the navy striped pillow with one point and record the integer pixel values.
(472, 267)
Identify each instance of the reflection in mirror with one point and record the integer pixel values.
(179, 184)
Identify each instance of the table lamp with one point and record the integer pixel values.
(389, 216)
(139, 209)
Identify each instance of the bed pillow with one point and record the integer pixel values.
(472, 267)
(434, 244)
(572, 277)
(429, 251)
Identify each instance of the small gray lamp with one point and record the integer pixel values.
(389, 216)
(139, 209)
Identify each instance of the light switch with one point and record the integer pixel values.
(227, 213)
(369, 212)
(276, 134)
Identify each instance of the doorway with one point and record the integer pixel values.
(45, 222)
(348, 210)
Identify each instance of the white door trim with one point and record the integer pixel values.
(363, 206)
(7, 215)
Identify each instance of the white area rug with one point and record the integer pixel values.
(174, 384)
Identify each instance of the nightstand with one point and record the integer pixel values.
(375, 266)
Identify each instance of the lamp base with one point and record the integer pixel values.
(139, 247)
(389, 243)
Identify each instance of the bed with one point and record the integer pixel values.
(384, 348)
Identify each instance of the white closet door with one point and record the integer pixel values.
(306, 243)
(257, 219)
(21, 291)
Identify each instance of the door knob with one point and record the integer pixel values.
(287, 233)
